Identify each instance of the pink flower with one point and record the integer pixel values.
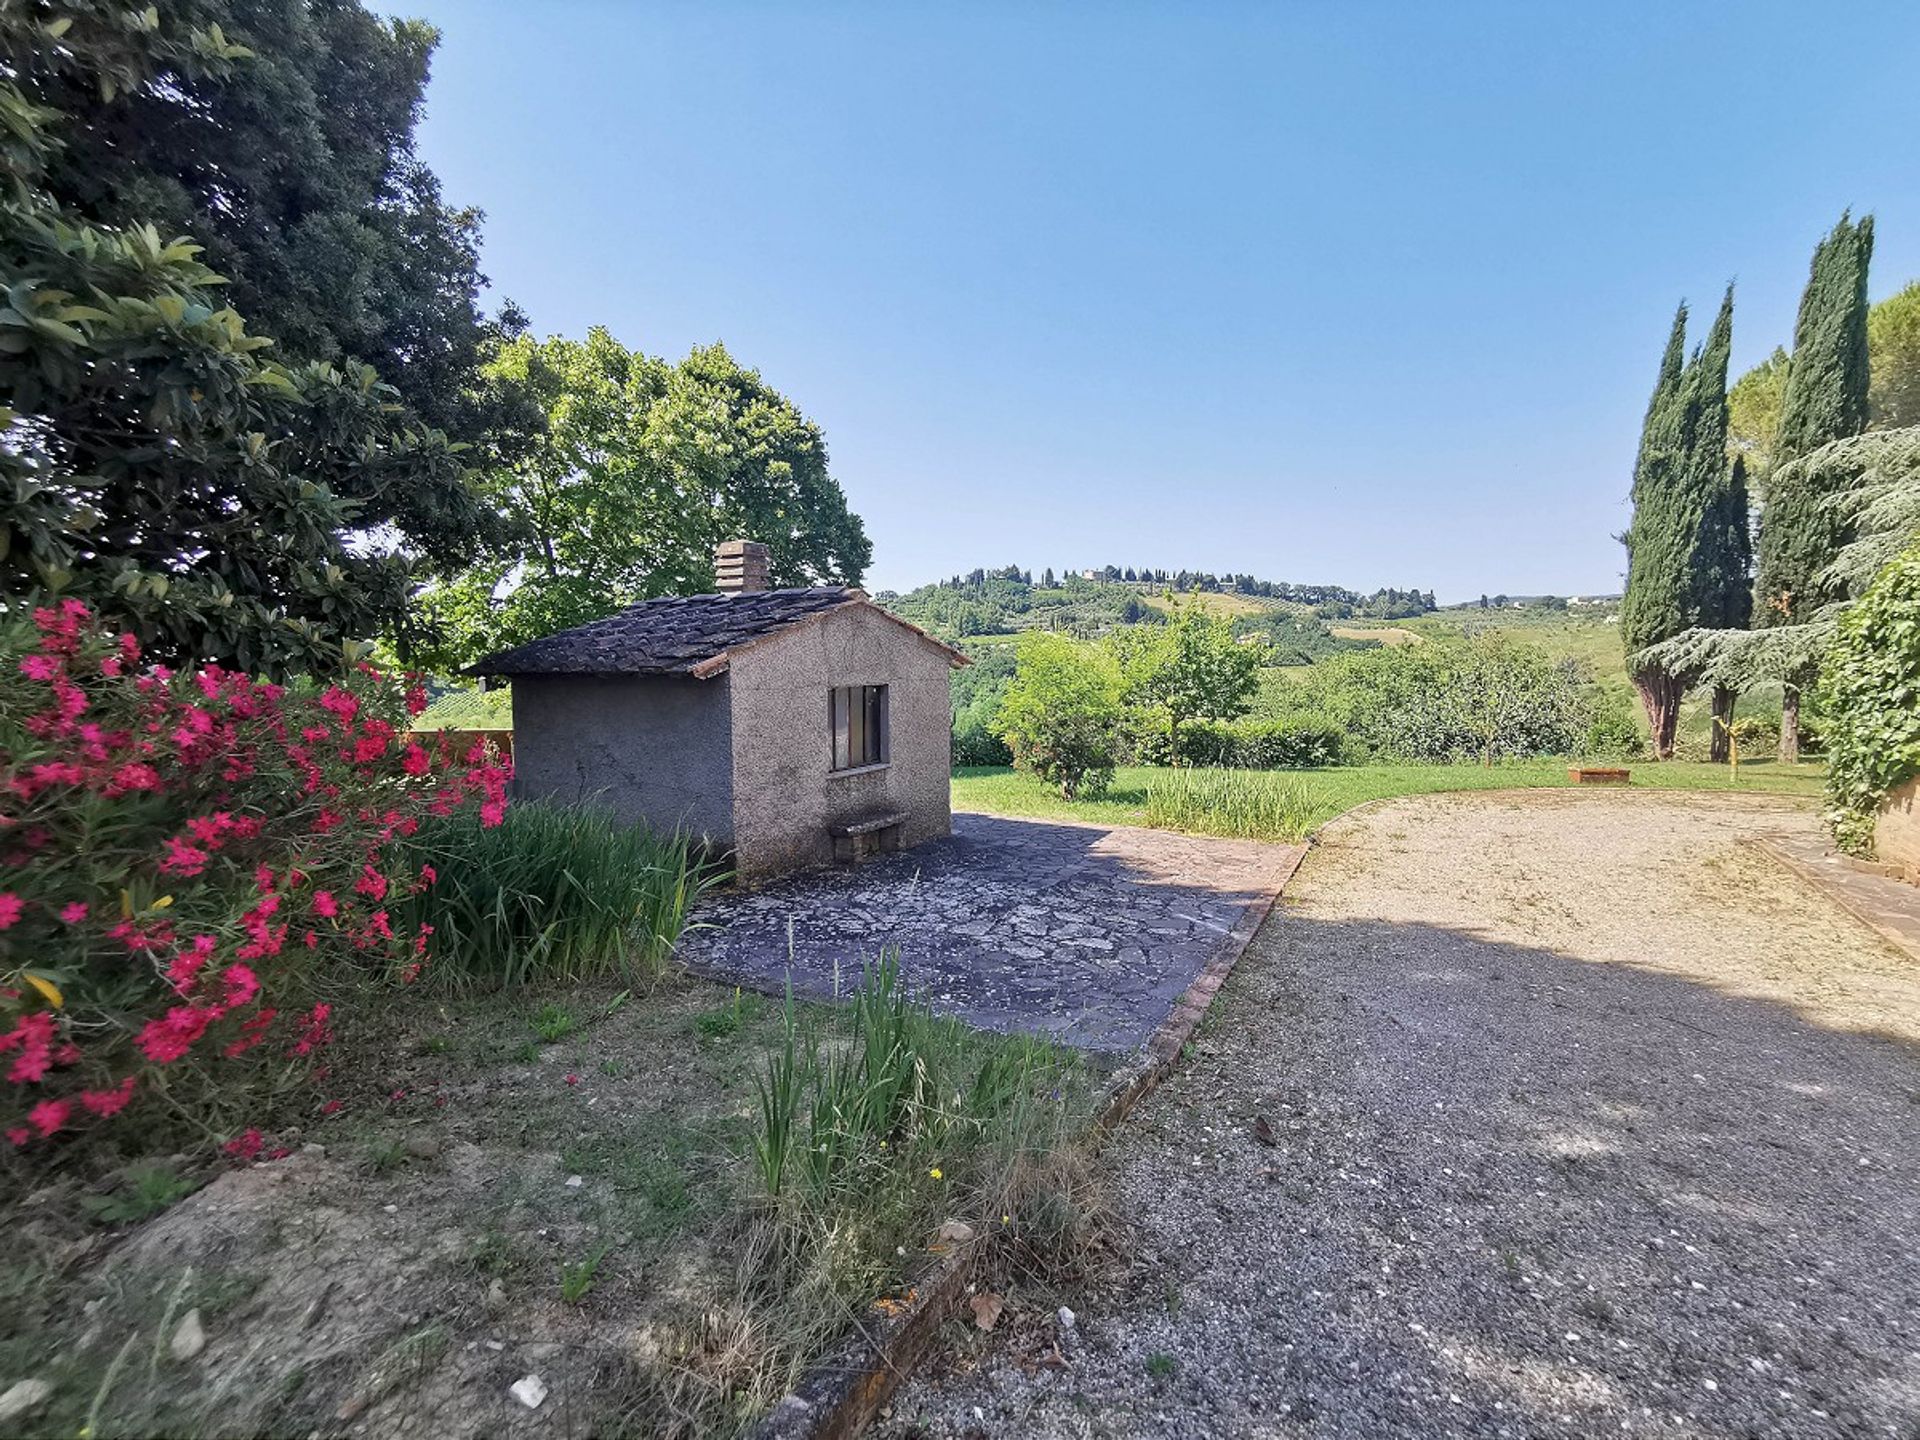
(573, 1079)
(10, 909)
(245, 1145)
(40, 667)
(108, 1102)
(493, 813)
(49, 1116)
(75, 913)
(182, 859)
(324, 905)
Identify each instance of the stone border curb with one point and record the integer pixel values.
(1899, 941)
(840, 1396)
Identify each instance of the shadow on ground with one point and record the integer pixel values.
(1510, 1192)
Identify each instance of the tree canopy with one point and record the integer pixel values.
(1825, 399)
(156, 461)
(1191, 668)
(640, 469)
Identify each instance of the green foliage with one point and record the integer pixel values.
(976, 691)
(1753, 411)
(1870, 694)
(1291, 638)
(1860, 499)
(555, 892)
(1061, 712)
(1485, 697)
(143, 1191)
(1191, 668)
(903, 1100)
(1687, 549)
(641, 469)
(1250, 804)
(1828, 380)
(1826, 399)
(577, 1276)
(156, 463)
(490, 709)
(1298, 742)
(552, 1023)
(1611, 731)
(1893, 347)
(293, 164)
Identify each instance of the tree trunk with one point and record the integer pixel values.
(1790, 725)
(1721, 747)
(1660, 696)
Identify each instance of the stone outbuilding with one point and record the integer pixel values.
(791, 728)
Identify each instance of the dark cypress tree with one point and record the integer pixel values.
(1722, 561)
(1825, 400)
(1686, 565)
(1653, 605)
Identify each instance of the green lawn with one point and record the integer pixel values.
(1000, 791)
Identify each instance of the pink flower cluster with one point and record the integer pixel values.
(177, 848)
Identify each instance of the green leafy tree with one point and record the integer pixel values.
(1826, 399)
(1753, 412)
(639, 469)
(1191, 668)
(1870, 695)
(154, 461)
(295, 169)
(1893, 347)
(1061, 713)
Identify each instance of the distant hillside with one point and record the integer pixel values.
(999, 602)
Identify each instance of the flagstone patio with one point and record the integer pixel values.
(1088, 934)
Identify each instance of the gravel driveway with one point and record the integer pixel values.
(1585, 1119)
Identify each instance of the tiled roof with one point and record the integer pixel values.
(674, 635)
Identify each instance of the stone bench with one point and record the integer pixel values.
(863, 835)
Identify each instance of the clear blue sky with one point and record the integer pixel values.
(1369, 294)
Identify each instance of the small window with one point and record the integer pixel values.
(857, 721)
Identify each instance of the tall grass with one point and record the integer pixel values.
(1252, 804)
(553, 893)
(876, 1124)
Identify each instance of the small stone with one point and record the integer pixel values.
(391, 1209)
(529, 1390)
(496, 1296)
(189, 1337)
(1066, 1318)
(956, 1232)
(23, 1398)
(574, 1182)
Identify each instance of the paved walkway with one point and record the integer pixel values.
(1890, 906)
(1086, 933)
(1551, 1114)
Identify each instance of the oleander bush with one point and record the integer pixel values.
(201, 873)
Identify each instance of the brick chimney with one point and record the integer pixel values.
(740, 566)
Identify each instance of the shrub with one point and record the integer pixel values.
(1485, 698)
(1870, 697)
(1061, 712)
(1304, 742)
(1249, 804)
(1612, 733)
(195, 871)
(555, 892)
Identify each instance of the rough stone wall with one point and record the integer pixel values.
(652, 748)
(1896, 833)
(785, 794)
